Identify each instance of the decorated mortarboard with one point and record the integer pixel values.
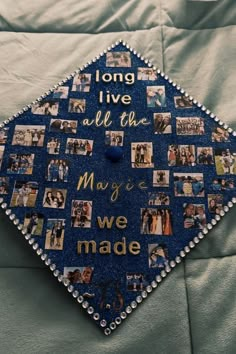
(113, 176)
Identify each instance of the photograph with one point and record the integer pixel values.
(156, 96)
(157, 255)
(54, 198)
(181, 155)
(156, 222)
(81, 83)
(158, 198)
(147, 74)
(189, 126)
(63, 126)
(205, 155)
(161, 178)
(29, 135)
(76, 105)
(79, 275)
(57, 171)
(24, 194)
(20, 164)
(53, 146)
(142, 155)
(162, 123)
(55, 232)
(222, 184)
(194, 216)
(215, 203)
(118, 60)
(135, 282)
(4, 185)
(3, 135)
(81, 213)
(33, 223)
(114, 138)
(2, 148)
(49, 108)
(79, 147)
(225, 161)
(219, 135)
(189, 185)
(61, 92)
(182, 102)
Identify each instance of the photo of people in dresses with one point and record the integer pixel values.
(189, 185)
(220, 135)
(181, 155)
(156, 222)
(156, 96)
(3, 135)
(53, 146)
(158, 198)
(162, 123)
(135, 282)
(142, 155)
(225, 161)
(20, 164)
(79, 275)
(61, 92)
(118, 60)
(54, 198)
(194, 216)
(4, 185)
(182, 102)
(81, 213)
(146, 74)
(76, 106)
(55, 233)
(114, 138)
(63, 126)
(2, 148)
(215, 203)
(190, 126)
(24, 194)
(33, 223)
(49, 108)
(222, 184)
(205, 155)
(57, 171)
(161, 178)
(157, 255)
(29, 135)
(81, 83)
(79, 147)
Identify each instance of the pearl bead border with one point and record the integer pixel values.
(171, 264)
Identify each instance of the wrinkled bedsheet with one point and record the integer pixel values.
(194, 42)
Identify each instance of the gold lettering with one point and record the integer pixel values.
(142, 185)
(105, 222)
(89, 246)
(121, 222)
(105, 247)
(102, 186)
(121, 245)
(134, 247)
(116, 188)
(85, 180)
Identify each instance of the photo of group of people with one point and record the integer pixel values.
(156, 221)
(81, 83)
(147, 74)
(156, 96)
(161, 178)
(190, 126)
(81, 213)
(215, 203)
(54, 198)
(63, 126)
(190, 185)
(55, 232)
(225, 162)
(162, 123)
(29, 135)
(79, 147)
(182, 102)
(49, 108)
(57, 171)
(61, 92)
(181, 155)
(157, 255)
(118, 60)
(33, 223)
(135, 282)
(2, 148)
(142, 155)
(53, 146)
(222, 184)
(158, 198)
(3, 135)
(20, 164)
(194, 216)
(4, 185)
(205, 155)
(220, 135)
(76, 105)
(79, 275)
(24, 194)
(114, 138)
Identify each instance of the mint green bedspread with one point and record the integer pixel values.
(194, 310)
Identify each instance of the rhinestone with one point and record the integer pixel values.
(16, 221)
(225, 126)
(43, 257)
(123, 315)
(133, 304)
(187, 249)
(190, 98)
(168, 269)
(139, 299)
(60, 278)
(158, 278)
(96, 316)
(172, 264)
(149, 289)
(27, 236)
(203, 108)
(191, 244)
(162, 74)
(6, 121)
(70, 288)
(53, 267)
(90, 310)
(31, 241)
(178, 87)
(163, 274)
(220, 123)
(213, 222)
(56, 273)
(128, 309)
(85, 304)
(24, 231)
(144, 294)
(208, 111)
(35, 246)
(66, 282)
(230, 130)
(209, 226)
(222, 213)
(20, 227)
(112, 325)
(234, 200)
(205, 231)
(154, 284)
(217, 217)
(1, 200)
(230, 204)
(75, 293)
(39, 251)
(48, 261)
(107, 331)
(4, 206)
(200, 235)
(196, 239)
(182, 90)
(186, 94)
(212, 115)
(158, 71)
(12, 217)
(8, 212)
(199, 104)
(195, 101)
(103, 323)
(118, 320)
(234, 133)
(216, 119)
(80, 299)
(177, 259)
(182, 253)
(146, 61)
